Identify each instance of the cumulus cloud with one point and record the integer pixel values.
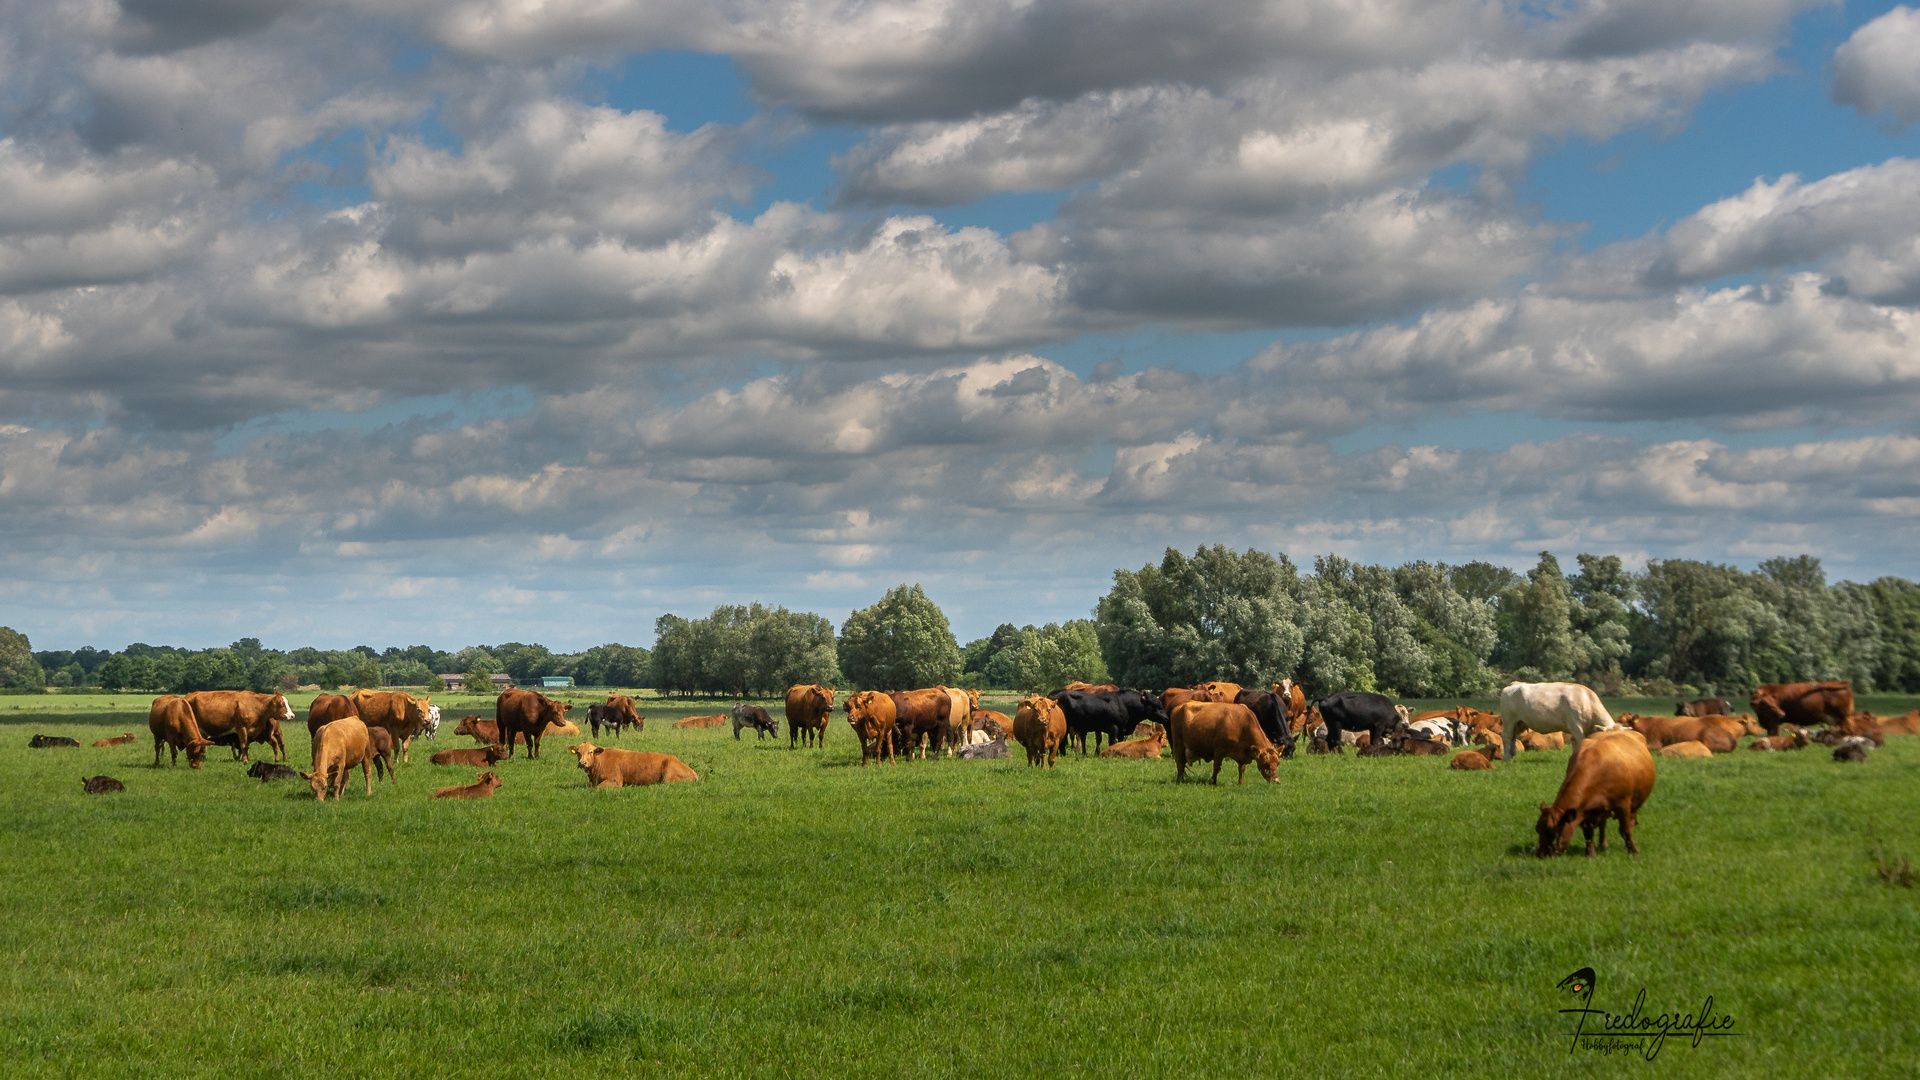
(1878, 68)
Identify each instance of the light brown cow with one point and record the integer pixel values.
(809, 710)
(1905, 724)
(1217, 691)
(1216, 732)
(1802, 704)
(483, 786)
(1148, 747)
(337, 748)
(1720, 734)
(714, 720)
(485, 757)
(171, 720)
(564, 727)
(1690, 748)
(242, 718)
(403, 715)
(326, 708)
(870, 713)
(1175, 696)
(1469, 760)
(1792, 738)
(624, 705)
(1609, 775)
(959, 718)
(611, 767)
(1083, 687)
(1041, 728)
(118, 740)
(1489, 739)
(1533, 740)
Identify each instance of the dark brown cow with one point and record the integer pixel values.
(1802, 704)
(401, 714)
(171, 720)
(809, 709)
(1609, 775)
(1217, 731)
(240, 719)
(919, 717)
(380, 748)
(327, 708)
(523, 712)
(1720, 734)
(484, 732)
(1706, 706)
(484, 758)
(870, 714)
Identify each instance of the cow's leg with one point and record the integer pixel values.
(1626, 829)
(1217, 762)
(1243, 774)
(1602, 826)
(366, 773)
(156, 751)
(406, 749)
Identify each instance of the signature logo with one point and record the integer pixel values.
(1636, 1030)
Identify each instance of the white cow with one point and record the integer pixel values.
(959, 718)
(1549, 707)
(1439, 729)
(433, 721)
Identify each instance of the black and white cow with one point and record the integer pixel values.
(1357, 710)
(755, 717)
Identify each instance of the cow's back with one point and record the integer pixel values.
(327, 708)
(344, 741)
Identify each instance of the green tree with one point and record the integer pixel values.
(366, 674)
(18, 668)
(1541, 612)
(1221, 614)
(265, 674)
(331, 677)
(674, 668)
(903, 642)
(1050, 657)
(1896, 608)
(480, 669)
(1599, 617)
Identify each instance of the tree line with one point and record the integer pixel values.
(1420, 629)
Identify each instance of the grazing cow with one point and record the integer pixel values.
(1296, 701)
(239, 719)
(1610, 775)
(1148, 747)
(809, 708)
(710, 720)
(871, 715)
(523, 712)
(264, 771)
(1661, 731)
(1270, 709)
(959, 717)
(995, 747)
(1217, 731)
(485, 757)
(327, 708)
(755, 717)
(1548, 707)
(402, 714)
(118, 740)
(616, 715)
(380, 748)
(1853, 749)
(623, 705)
(1706, 706)
(1802, 704)
(1693, 749)
(919, 716)
(483, 786)
(170, 719)
(1108, 716)
(1469, 760)
(610, 767)
(1792, 739)
(42, 742)
(997, 725)
(1041, 729)
(1357, 710)
(100, 785)
(337, 748)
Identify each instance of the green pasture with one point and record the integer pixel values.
(794, 914)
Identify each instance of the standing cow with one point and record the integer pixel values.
(337, 748)
(871, 715)
(755, 717)
(1802, 704)
(526, 714)
(1041, 728)
(809, 708)
(403, 715)
(1358, 710)
(1549, 707)
(1114, 714)
(171, 720)
(920, 716)
(240, 719)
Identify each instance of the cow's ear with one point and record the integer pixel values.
(1543, 806)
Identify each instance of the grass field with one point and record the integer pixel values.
(796, 915)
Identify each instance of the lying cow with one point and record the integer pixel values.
(1801, 704)
(1854, 748)
(100, 785)
(117, 740)
(1148, 747)
(485, 757)
(1686, 749)
(1706, 706)
(757, 718)
(483, 787)
(713, 720)
(610, 767)
(993, 748)
(42, 742)
(1791, 739)
(1545, 708)
(1720, 734)
(1609, 776)
(264, 771)
(1469, 760)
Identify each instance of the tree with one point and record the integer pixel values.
(332, 676)
(1049, 658)
(18, 668)
(977, 657)
(1601, 598)
(673, 668)
(266, 673)
(366, 674)
(1896, 608)
(1541, 609)
(903, 642)
(479, 671)
(1221, 614)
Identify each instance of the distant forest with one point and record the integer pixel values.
(1416, 630)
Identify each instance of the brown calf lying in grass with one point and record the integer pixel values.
(117, 740)
(1469, 760)
(484, 758)
(1790, 739)
(1533, 740)
(1148, 747)
(702, 721)
(483, 787)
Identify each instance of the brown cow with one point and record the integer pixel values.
(483, 786)
(402, 714)
(1148, 747)
(1533, 740)
(1085, 688)
(714, 720)
(1610, 775)
(1720, 734)
(1802, 704)
(240, 718)
(1491, 740)
(117, 740)
(984, 717)
(610, 767)
(1469, 760)
(1904, 724)
(1792, 739)
(809, 709)
(1219, 692)
(564, 727)
(380, 747)
(1175, 696)
(484, 732)
(1296, 700)
(1041, 728)
(870, 714)
(1690, 748)
(171, 720)
(920, 715)
(523, 712)
(1706, 706)
(484, 758)
(327, 708)
(623, 705)
(1216, 731)
(1419, 747)
(337, 748)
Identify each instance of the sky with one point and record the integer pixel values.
(459, 321)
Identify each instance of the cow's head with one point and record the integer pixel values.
(279, 705)
(494, 753)
(1268, 762)
(584, 754)
(1555, 832)
(197, 751)
(318, 782)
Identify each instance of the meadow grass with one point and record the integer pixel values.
(795, 914)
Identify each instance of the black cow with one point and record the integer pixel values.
(1271, 710)
(100, 785)
(41, 742)
(606, 716)
(755, 717)
(267, 770)
(1114, 714)
(1357, 710)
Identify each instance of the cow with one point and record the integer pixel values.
(755, 717)
(1219, 692)
(610, 767)
(42, 742)
(1905, 724)
(1175, 696)
(1549, 707)
(602, 716)
(562, 727)
(380, 748)
(1270, 709)
(1148, 747)
(1801, 704)
(1419, 747)
(1719, 734)
(1792, 739)
(1691, 749)
(485, 757)
(1706, 706)
(1216, 731)
(710, 720)
(1041, 729)
(239, 718)
(432, 726)
(1295, 698)
(326, 708)
(1469, 760)
(1110, 716)
(1491, 740)
(170, 719)
(264, 771)
(1867, 724)
(1384, 748)
(337, 748)
(995, 747)
(1357, 710)
(118, 740)
(959, 717)
(996, 724)
(1609, 776)
(402, 714)
(100, 785)
(525, 713)
(920, 715)
(871, 715)
(1533, 740)
(616, 715)
(1090, 688)
(1853, 749)
(809, 709)
(1448, 725)
(622, 704)
(484, 732)
(483, 786)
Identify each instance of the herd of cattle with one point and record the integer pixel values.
(1609, 774)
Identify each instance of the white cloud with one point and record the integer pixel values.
(1878, 68)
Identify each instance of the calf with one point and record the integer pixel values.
(993, 748)
(1686, 749)
(1853, 749)
(483, 786)
(380, 746)
(757, 718)
(1384, 748)
(267, 770)
(1609, 776)
(100, 785)
(117, 740)
(1216, 732)
(1148, 747)
(337, 748)
(715, 720)
(484, 758)
(1469, 759)
(608, 767)
(1489, 739)
(1793, 739)
(41, 742)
